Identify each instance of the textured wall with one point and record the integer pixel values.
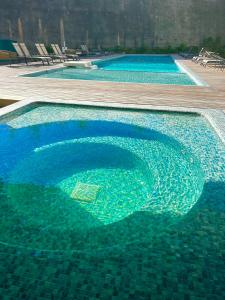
(113, 22)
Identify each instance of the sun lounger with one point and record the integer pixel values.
(86, 51)
(199, 56)
(36, 57)
(72, 56)
(58, 52)
(23, 53)
(207, 55)
(43, 51)
(214, 60)
(20, 53)
(63, 57)
(203, 54)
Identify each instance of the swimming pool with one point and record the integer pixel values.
(140, 63)
(154, 69)
(92, 197)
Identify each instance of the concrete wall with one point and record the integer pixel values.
(131, 23)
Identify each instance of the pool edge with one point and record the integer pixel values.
(215, 117)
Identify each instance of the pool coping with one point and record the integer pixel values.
(216, 118)
(199, 82)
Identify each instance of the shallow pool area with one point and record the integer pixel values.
(107, 203)
(152, 69)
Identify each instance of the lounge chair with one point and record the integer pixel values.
(68, 55)
(87, 52)
(44, 59)
(207, 55)
(43, 51)
(200, 55)
(215, 60)
(84, 49)
(220, 65)
(20, 54)
(57, 51)
(23, 53)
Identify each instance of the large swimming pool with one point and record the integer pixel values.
(154, 69)
(103, 203)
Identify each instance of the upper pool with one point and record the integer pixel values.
(140, 63)
(152, 69)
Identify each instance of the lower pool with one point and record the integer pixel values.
(94, 197)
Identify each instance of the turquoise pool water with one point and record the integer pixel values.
(140, 63)
(105, 203)
(136, 68)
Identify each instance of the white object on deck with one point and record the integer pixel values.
(78, 64)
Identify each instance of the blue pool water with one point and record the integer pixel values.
(158, 211)
(140, 63)
(128, 68)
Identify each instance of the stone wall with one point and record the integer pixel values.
(106, 23)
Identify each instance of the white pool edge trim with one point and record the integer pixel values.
(191, 74)
(215, 117)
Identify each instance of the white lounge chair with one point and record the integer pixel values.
(24, 53)
(43, 51)
(57, 51)
(84, 49)
(207, 55)
(72, 56)
(200, 55)
(214, 60)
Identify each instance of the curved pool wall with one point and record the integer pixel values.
(152, 69)
(162, 185)
(141, 161)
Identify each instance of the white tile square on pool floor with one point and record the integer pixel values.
(85, 192)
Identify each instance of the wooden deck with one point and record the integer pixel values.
(17, 88)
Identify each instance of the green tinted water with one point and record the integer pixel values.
(155, 225)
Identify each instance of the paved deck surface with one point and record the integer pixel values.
(13, 87)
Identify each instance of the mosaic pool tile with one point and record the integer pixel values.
(151, 246)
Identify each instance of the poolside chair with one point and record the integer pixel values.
(37, 57)
(213, 61)
(24, 53)
(58, 52)
(20, 53)
(87, 52)
(205, 56)
(43, 51)
(220, 65)
(68, 55)
(200, 55)
(63, 57)
(84, 49)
